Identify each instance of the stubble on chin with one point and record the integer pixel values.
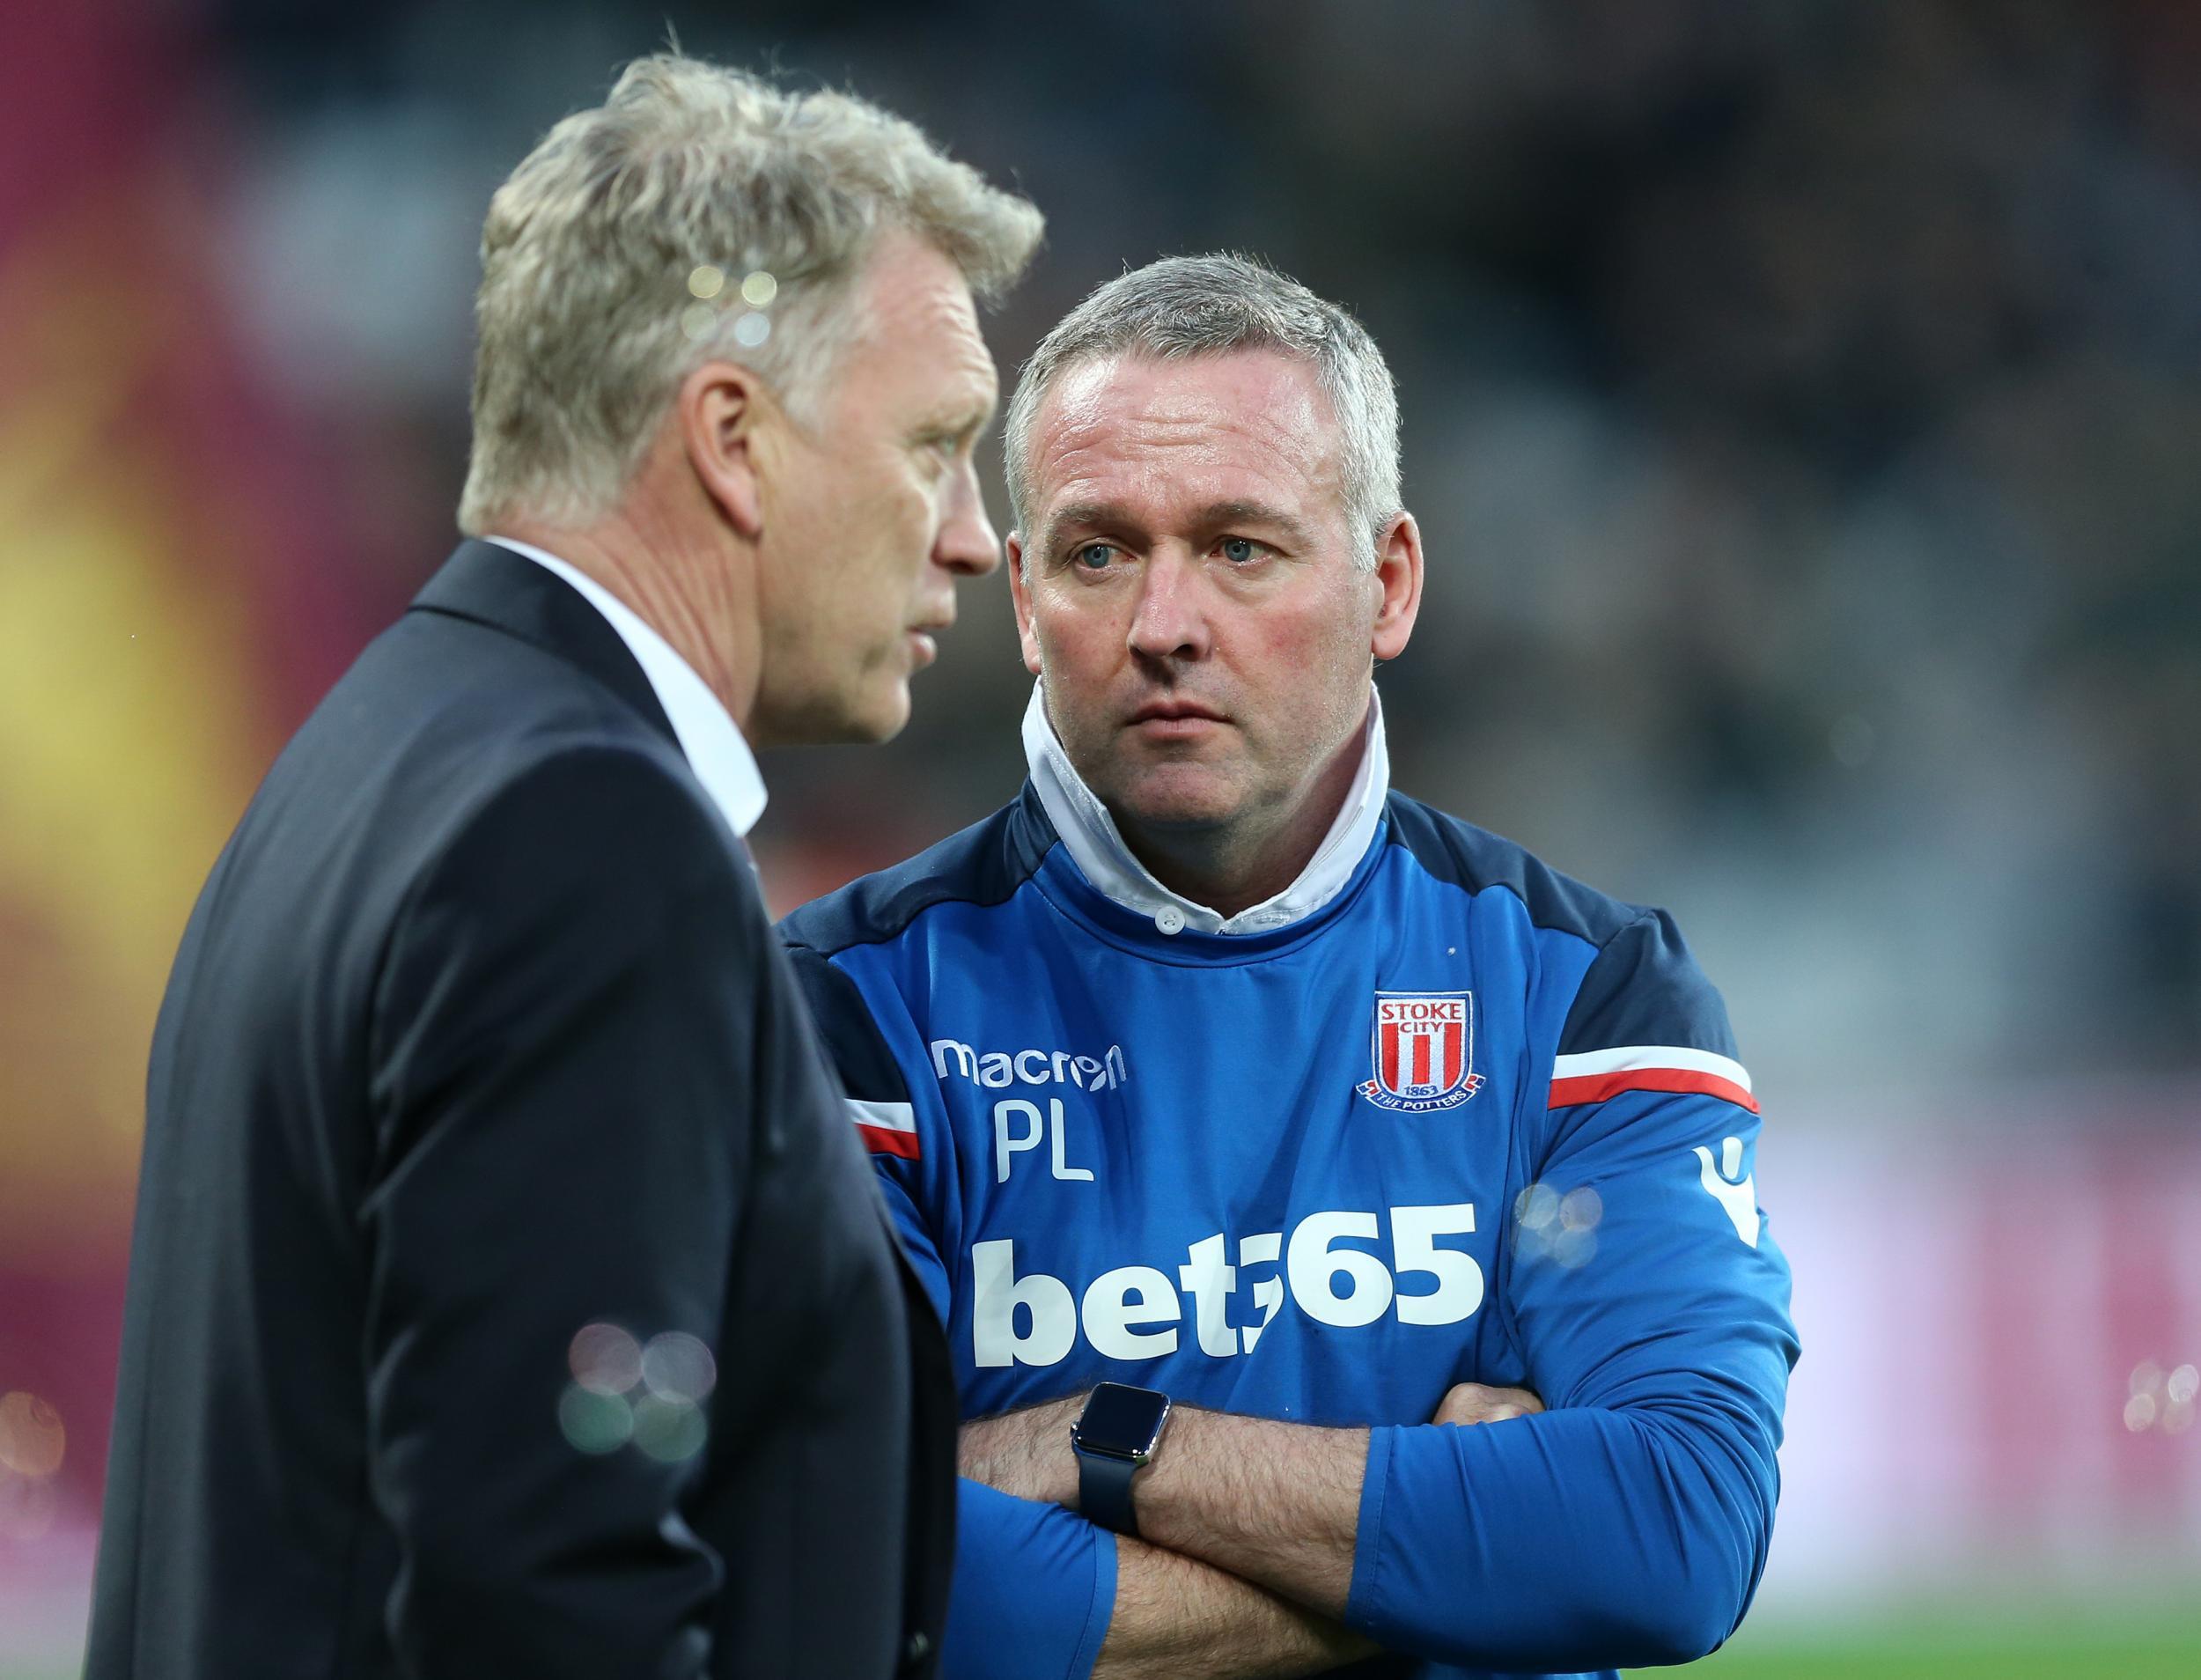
(1175, 793)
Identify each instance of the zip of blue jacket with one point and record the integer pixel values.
(1435, 1114)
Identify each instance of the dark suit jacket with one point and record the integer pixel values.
(478, 1035)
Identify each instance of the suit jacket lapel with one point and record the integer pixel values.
(508, 592)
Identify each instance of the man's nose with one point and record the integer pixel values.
(1170, 621)
(967, 542)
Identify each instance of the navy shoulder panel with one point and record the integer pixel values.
(985, 864)
(851, 1038)
(1643, 988)
(1475, 858)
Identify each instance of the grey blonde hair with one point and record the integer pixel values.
(1205, 306)
(698, 214)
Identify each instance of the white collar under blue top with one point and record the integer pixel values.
(714, 748)
(1097, 848)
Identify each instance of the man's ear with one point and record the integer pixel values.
(724, 410)
(1398, 578)
(1021, 595)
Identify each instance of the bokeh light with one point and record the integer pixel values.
(1535, 1207)
(594, 1422)
(1574, 1247)
(33, 1441)
(669, 1430)
(2157, 1400)
(1580, 1210)
(605, 1359)
(677, 1368)
(1558, 1226)
(28, 1506)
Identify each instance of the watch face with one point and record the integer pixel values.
(1121, 1420)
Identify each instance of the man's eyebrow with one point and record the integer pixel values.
(962, 416)
(1104, 515)
(1215, 515)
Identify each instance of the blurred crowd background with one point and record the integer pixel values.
(1802, 402)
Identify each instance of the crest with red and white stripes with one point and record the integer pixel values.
(1422, 1046)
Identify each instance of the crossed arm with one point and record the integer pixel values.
(1248, 1524)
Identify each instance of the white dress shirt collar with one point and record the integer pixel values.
(714, 748)
(1097, 847)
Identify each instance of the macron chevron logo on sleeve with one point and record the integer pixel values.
(885, 1128)
(1595, 1075)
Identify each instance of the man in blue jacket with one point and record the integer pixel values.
(1252, 1124)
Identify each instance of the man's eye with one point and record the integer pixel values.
(1239, 550)
(1093, 556)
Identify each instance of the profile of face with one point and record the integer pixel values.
(1187, 592)
(873, 510)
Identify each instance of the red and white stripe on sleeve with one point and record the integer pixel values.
(1592, 1076)
(885, 1128)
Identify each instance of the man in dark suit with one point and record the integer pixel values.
(509, 1297)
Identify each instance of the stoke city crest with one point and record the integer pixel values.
(1422, 1046)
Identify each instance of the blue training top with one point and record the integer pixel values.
(1439, 1115)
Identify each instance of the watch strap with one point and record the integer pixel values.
(1104, 1491)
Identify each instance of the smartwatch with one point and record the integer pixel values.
(1114, 1437)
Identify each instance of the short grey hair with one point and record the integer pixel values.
(699, 214)
(1205, 306)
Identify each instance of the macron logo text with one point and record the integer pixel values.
(997, 1069)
